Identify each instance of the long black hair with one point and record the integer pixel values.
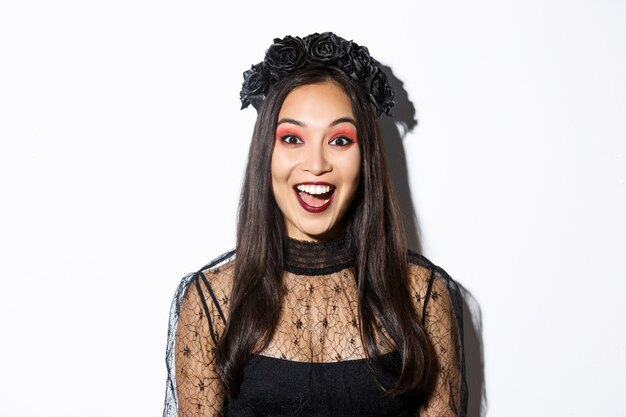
(373, 221)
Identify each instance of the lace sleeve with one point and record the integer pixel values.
(440, 303)
(198, 386)
(196, 319)
(193, 387)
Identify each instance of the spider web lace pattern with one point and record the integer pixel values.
(171, 398)
(318, 326)
(442, 317)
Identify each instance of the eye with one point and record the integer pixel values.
(291, 139)
(341, 141)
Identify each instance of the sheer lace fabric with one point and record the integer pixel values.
(316, 352)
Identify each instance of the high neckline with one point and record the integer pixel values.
(317, 258)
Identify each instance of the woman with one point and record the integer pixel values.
(323, 311)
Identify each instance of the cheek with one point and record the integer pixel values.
(283, 162)
(276, 166)
(353, 168)
(351, 176)
(274, 174)
(280, 169)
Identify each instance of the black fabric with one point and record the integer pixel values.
(315, 364)
(318, 258)
(278, 387)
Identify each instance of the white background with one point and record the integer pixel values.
(122, 152)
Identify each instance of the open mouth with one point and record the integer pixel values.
(315, 197)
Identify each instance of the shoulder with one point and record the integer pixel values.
(422, 269)
(217, 272)
(431, 286)
(217, 275)
(210, 286)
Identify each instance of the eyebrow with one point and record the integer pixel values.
(333, 123)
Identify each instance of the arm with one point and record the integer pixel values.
(198, 387)
(442, 318)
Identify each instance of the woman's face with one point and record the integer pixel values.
(316, 161)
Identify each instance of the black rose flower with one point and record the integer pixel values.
(326, 47)
(256, 82)
(381, 93)
(357, 63)
(286, 55)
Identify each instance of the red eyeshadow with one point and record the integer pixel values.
(286, 130)
(347, 132)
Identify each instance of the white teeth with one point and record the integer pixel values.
(314, 189)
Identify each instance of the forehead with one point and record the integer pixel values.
(321, 102)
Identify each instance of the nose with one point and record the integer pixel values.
(316, 161)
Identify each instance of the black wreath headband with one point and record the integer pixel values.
(290, 54)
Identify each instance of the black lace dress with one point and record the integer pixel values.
(315, 363)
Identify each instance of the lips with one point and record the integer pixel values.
(314, 197)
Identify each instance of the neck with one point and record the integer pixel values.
(318, 257)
